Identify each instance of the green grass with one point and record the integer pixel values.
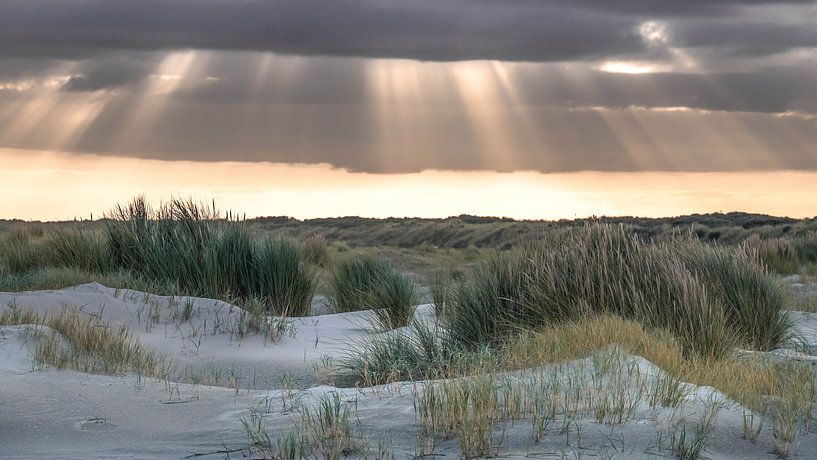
(316, 250)
(326, 431)
(353, 280)
(283, 278)
(787, 254)
(454, 381)
(422, 351)
(181, 247)
(183, 242)
(44, 278)
(480, 309)
(710, 298)
(370, 283)
(754, 301)
(392, 299)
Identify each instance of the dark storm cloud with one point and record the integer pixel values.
(110, 71)
(765, 90)
(438, 30)
(739, 64)
(668, 8)
(422, 29)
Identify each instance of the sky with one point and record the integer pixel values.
(320, 108)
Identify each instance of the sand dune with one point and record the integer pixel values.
(67, 414)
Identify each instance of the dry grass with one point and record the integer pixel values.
(86, 343)
(751, 381)
(464, 408)
(593, 375)
(14, 316)
(804, 302)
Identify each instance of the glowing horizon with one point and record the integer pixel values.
(58, 186)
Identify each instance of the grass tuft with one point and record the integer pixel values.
(352, 282)
(709, 298)
(86, 343)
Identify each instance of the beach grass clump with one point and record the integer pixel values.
(487, 304)
(22, 250)
(316, 250)
(85, 343)
(610, 386)
(187, 244)
(228, 264)
(393, 298)
(369, 283)
(168, 243)
(700, 298)
(13, 315)
(751, 380)
(422, 351)
(688, 443)
(94, 346)
(86, 251)
(467, 408)
(439, 285)
(352, 281)
(329, 427)
(755, 302)
(283, 278)
(787, 254)
(426, 353)
(326, 430)
(179, 247)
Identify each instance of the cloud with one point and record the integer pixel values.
(326, 81)
(374, 135)
(444, 30)
(439, 30)
(392, 85)
(110, 71)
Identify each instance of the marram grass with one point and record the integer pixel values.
(85, 343)
(711, 299)
(181, 247)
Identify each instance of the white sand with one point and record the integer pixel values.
(67, 414)
(207, 342)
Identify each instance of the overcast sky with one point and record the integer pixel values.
(392, 86)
